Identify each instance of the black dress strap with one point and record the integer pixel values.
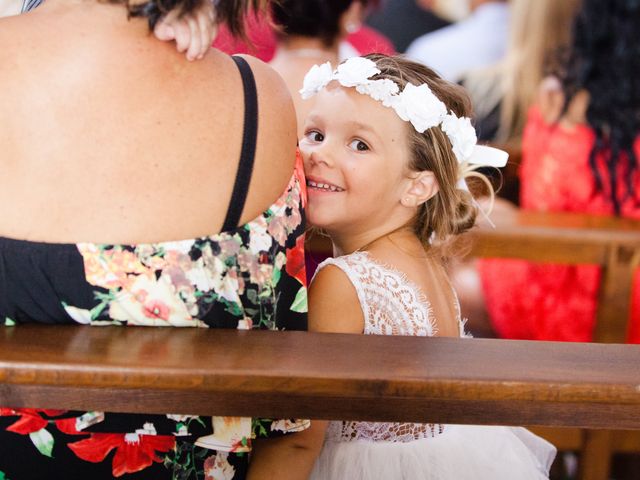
(249, 139)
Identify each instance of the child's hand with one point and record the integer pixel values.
(193, 32)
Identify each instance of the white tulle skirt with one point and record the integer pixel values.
(461, 452)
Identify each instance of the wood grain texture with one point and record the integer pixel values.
(333, 376)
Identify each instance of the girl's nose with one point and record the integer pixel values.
(322, 155)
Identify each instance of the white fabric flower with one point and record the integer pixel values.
(182, 246)
(355, 71)
(380, 90)
(461, 134)
(316, 79)
(420, 106)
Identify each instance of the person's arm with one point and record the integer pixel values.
(290, 457)
(333, 307)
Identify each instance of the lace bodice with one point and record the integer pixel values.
(391, 305)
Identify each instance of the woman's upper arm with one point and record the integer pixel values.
(333, 303)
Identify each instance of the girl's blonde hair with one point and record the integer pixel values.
(452, 210)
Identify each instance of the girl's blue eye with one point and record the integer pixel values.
(359, 146)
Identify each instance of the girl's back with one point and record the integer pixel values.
(387, 148)
(108, 133)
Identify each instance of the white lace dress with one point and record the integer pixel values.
(393, 305)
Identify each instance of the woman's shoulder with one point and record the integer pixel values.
(275, 102)
(271, 87)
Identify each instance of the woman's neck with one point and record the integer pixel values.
(305, 47)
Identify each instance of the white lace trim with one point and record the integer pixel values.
(391, 304)
(381, 432)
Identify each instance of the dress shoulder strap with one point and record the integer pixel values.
(354, 267)
(249, 140)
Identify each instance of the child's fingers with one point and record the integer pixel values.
(195, 45)
(164, 29)
(193, 32)
(164, 32)
(183, 35)
(207, 29)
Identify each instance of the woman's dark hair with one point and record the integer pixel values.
(311, 18)
(604, 60)
(230, 12)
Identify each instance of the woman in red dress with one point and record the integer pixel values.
(580, 154)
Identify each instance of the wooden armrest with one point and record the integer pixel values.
(312, 375)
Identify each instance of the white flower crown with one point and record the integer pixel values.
(415, 104)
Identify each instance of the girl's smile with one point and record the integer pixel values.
(355, 152)
(321, 186)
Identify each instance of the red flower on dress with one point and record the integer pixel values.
(30, 419)
(299, 173)
(157, 309)
(68, 426)
(133, 452)
(295, 266)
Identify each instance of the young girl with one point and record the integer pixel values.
(386, 148)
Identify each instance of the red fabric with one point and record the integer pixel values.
(260, 34)
(295, 265)
(545, 301)
(367, 40)
(133, 452)
(263, 40)
(30, 419)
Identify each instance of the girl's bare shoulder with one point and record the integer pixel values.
(333, 303)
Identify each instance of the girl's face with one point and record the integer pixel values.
(355, 153)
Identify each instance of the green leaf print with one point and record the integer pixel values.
(8, 323)
(275, 276)
(300, 302)
(43, 441)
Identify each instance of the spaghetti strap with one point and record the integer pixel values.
(249, 139)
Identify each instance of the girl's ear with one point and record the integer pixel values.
(422, 186)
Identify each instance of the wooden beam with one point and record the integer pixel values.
(333, 376)
(557, 237)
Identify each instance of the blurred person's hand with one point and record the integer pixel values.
(193, 33)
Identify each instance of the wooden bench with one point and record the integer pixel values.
(569, 238)
(312, 375)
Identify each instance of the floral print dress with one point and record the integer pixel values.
(247, 277)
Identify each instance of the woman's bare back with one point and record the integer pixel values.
(111, 136)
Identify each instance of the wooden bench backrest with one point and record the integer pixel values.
(311, 375)
(569, 238)
(613, 243)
